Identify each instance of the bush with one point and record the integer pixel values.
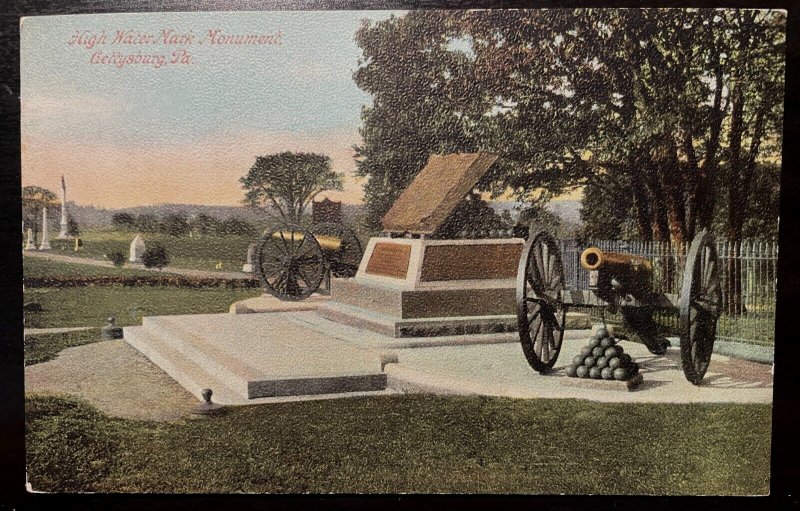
(175, 224)
(124, 220)
(155, 256)
(116, 258)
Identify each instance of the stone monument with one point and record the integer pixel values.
(411, 284)
(137, 249)
(31, 244)
(326, 210)
(45, 243)
(251, 255)
(63, 233)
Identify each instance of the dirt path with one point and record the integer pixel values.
(107, 264)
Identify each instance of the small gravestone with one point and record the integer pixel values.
(251, 255)
(137, 249)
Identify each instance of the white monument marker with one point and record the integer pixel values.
(137, 249)
(45, 244)
(31, 244)
(251, 255)
(63, 234)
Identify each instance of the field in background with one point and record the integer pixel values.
(195, 252)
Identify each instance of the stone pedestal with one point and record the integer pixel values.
(422, 288)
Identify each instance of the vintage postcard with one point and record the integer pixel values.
(446, 251)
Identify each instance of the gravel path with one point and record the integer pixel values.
(115, 378)
(107, 264)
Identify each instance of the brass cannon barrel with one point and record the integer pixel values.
(594, 259)
(326, 243)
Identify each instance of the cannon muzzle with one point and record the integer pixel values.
(326, 243)
(594, 259)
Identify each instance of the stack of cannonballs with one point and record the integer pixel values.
(603, 359)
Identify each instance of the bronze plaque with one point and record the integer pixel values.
(389, 260)
(471, 262)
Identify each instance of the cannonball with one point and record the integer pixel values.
(578, 359)
(601, 332)
(612, 351)
(621, 374)
(582, 372)
(626, 359)
(572, 370)
(607, 373)
(601, 362)
(597, 352)
(589, 361)
(614, 363)
(586, 351)
(608, 342)
(595, 373)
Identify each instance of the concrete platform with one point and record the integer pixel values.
(501, 370)
(263, 357)
(244, 357)
(269, 303)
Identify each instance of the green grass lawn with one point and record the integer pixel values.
(407, 443)
(38, 267)
(91, 305)
(202, 253)
(43, 347)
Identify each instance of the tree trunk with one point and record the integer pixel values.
(736, 202)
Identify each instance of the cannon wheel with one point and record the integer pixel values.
(701, 299)
(289, 262)
(540, 313)
(344, 262)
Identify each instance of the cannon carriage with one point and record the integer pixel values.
(618, 281)
(293, 262)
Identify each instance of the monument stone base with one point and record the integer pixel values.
(399, 313)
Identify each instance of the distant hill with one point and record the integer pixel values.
(567, 210)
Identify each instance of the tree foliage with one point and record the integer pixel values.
(175, 224)
(124, 220)
(34, 199)
(653, 104)
(287, 182)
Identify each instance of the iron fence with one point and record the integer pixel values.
(748, 315)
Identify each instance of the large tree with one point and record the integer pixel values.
(658, 103)
(287, 182)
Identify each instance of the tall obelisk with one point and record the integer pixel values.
(62, 233)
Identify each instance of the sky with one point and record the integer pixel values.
(185, 132)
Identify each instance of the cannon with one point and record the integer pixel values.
(293, 262)
(618, 281)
